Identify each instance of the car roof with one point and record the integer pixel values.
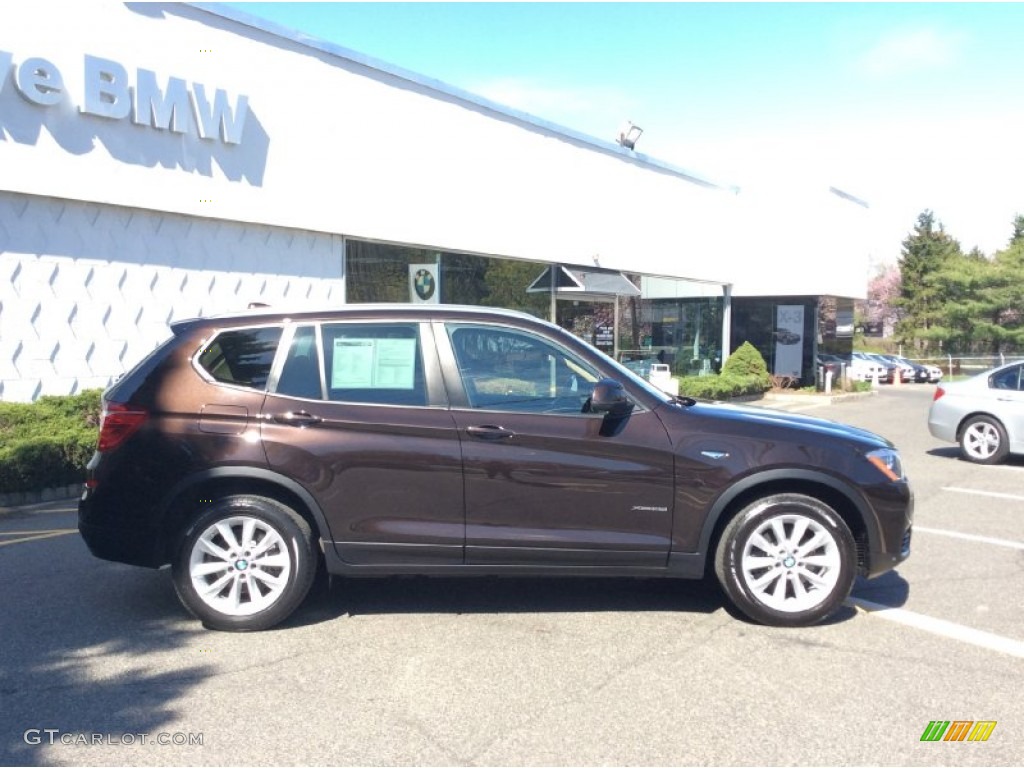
(269, 313)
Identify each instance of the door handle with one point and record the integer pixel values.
(490, 432)
(297, 418)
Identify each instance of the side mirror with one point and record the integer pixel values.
(609, 397)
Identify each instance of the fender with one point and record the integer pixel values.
(692, 564)
(246, 473)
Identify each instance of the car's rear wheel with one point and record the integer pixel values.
(786, 560)
(983, 440)
(246, 563)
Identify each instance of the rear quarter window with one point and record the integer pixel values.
(242, 357)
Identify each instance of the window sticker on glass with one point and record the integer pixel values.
(374, 364)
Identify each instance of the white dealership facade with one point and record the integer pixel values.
(161, 161)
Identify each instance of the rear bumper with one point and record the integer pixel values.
(133, 546)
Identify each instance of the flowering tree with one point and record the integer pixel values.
(883, 289)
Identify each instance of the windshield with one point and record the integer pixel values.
(627, 377)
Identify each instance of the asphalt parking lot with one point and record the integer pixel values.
(101, 665)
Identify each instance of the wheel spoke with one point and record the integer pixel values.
(212, 590)
(210, 548)
(269, 542)
(824, 561)
(780, 531)
(275, 582)
(814, 578)
(819, 538)
(760, 542)
(208, 569)
(779, 592)
(248, 528)
(279, 560)
(799, 529)
(756, 562)
(799, 590)
(228, 534)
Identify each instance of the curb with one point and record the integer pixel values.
(25, 498)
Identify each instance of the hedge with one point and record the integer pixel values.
(47, 443)
(744, 373)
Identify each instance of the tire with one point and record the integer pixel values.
(261, 584)
(767, 570)
(983, 440)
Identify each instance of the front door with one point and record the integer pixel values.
(542, 485)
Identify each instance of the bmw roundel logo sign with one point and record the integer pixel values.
(423, 283)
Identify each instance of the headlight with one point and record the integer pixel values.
(888, 462)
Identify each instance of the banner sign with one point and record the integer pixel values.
(789, 336)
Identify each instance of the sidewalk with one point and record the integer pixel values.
(799, 401)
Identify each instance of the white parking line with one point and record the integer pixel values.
(993, 494)
(941, 627)
(970, 537)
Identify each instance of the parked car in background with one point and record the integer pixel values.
(910, 371)
(250, 450)
(934, 373)
(860, 367)
(983, 414)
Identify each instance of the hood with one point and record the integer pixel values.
(776, 419)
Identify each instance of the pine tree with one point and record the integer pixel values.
(924, 292)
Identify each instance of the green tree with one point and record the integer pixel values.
(999, 304)
(927, 254)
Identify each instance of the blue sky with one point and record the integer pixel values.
(909, 106)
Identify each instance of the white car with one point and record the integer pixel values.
(862, 369)
(984, 414)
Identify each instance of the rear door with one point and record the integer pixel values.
(358, 416)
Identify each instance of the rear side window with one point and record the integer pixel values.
(1008, 379)
(242, 357)
(374, 363)
(300, 375)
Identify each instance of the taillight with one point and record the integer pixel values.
(119, 423)
(939, 392)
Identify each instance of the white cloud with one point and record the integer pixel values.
(912, 51)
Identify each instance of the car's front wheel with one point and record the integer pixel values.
(983, 440)
(246, 563)
(786, 560)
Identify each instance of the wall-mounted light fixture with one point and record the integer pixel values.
(629, 134)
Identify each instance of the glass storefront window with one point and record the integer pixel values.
(379, 272)
(673, 321)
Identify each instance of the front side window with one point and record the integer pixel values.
(242, 357)
(374, 363)
(508, 370)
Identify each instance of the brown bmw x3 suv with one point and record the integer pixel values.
(444, 440)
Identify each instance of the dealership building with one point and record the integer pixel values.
(163, 161)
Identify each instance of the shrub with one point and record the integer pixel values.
(47, 443)
(744, 373)
(747, 361)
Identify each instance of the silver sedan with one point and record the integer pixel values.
(984, 414)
